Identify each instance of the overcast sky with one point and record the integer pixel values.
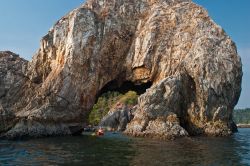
(24, 22)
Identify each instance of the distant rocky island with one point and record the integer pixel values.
(183, 68)
(242, 117)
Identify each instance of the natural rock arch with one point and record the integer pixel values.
(166, 42)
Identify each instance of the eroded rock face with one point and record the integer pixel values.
(12, 79)
(160, 110)
(192, 63)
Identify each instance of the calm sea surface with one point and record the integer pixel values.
(115, 149)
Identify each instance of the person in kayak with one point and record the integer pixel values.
(100, 132)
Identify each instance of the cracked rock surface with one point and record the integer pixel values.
(192, 63)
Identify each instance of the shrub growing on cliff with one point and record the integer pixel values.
(130, 98)
(107, 101)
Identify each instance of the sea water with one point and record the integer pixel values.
(117, 149)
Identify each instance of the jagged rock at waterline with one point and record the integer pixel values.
(193, 65)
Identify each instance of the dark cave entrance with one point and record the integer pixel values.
(124, 87)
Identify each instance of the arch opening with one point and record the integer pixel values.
(124, 87)
(116, 96)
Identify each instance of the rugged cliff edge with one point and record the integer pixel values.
(192, 64)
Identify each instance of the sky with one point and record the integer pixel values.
(234, 17)
(24, 22)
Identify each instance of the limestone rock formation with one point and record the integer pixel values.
(12, 78)
(160, 109)
(117, 119)
(193, 65)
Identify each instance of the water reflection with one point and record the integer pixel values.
(120, 150)
(65, 150)
(195, 151)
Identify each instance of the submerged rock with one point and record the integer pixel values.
(193, 65)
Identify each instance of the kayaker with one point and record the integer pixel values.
(100, 132)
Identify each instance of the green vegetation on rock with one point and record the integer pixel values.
(242, 116)
(107, 101)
